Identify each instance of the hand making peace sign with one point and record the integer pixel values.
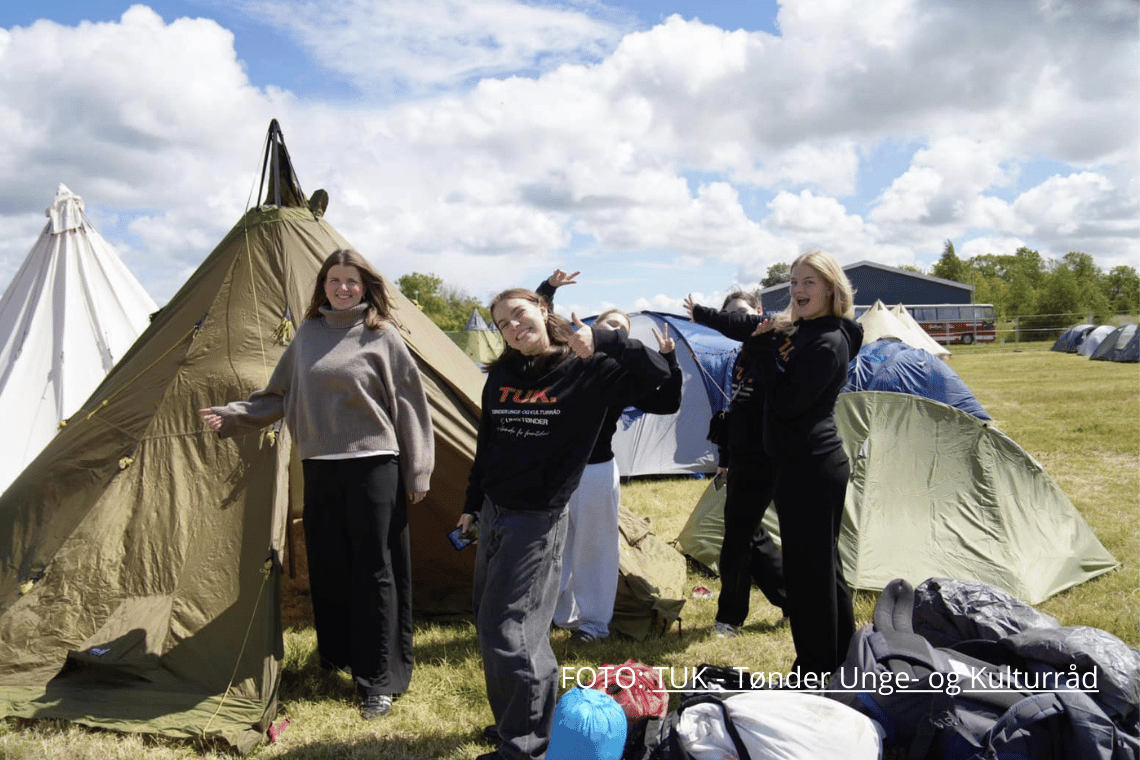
(560, 278)
(665, 344)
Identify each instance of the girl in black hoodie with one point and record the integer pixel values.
(803, 355)
(544, 402)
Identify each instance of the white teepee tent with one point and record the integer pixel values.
(922, 338)
(880, 322)
(68, 315)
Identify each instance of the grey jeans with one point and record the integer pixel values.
(517, 572)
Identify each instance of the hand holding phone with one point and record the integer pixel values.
(460, 540)
(457, 540)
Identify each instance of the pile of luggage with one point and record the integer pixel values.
(950, 669)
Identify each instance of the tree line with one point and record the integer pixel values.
(1044, 293)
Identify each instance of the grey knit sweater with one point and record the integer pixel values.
(343, 387)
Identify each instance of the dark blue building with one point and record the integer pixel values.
(879, 282)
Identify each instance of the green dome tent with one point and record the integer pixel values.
(936, 492)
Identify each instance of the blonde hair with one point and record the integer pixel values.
(842, 302)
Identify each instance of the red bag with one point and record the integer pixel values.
(636, 687)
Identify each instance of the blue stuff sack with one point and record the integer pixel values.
(588, 725)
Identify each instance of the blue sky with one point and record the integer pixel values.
(661, 148)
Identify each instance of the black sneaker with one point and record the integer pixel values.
(491, 735)
(580, 637)
(376, 706)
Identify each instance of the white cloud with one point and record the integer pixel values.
(564, 134)
(943, 183)
(412, 47)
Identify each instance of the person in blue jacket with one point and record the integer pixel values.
(543, 404)
(802, 362)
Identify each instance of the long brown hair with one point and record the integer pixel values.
(557, 329)
(375, 294)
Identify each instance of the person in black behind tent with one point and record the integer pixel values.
(590, 561)
(802, 362)
(543, 403)
(747, 551)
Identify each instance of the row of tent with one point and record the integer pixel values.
(141, 557)
(1101, 342)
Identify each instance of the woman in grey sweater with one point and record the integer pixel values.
(352, 397)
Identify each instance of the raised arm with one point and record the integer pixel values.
(730, 324)
(666, 399)
(552, 283)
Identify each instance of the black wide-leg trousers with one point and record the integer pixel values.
(360, 572)
(810, 494)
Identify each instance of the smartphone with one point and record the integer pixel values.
(458, 540)
(718, 481)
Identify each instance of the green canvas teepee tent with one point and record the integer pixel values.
(140, 556)
(478, 340)
(936, 492)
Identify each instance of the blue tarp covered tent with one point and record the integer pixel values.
(887, 365)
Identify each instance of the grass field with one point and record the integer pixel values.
(1079, 419)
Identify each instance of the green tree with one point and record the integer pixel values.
(1058, 305)
(910, 268)
(1029, 262)
(949, 266)
(1122, 289)
(1083, 266)
(777, 273)
(449, 308)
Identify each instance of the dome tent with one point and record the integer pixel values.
(973, 505)
(887, 365)
(1121, 345)
(1093, 340)
(675, 444)
(1069, 340)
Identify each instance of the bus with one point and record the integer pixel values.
(952, 322)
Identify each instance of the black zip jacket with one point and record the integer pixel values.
(666, 399)
(802, 375)
(744, 434)
(538, 427)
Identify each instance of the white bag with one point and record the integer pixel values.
(780, 725)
